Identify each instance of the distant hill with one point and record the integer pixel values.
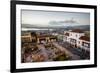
(83, 27)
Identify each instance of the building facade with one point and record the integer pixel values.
(77, 38)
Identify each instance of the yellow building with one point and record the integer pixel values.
(26, 37)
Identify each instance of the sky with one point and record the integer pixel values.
(53, 18)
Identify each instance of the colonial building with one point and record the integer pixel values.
(84, 42)
(46, 38)
(37, 38)
(26, 37)
(77, 38)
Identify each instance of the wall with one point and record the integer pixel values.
(5, 36)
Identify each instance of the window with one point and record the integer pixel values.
(79, 42)
(86, 44)
(76, 35)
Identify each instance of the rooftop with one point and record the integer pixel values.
(44, 36)
(67, 34)
(86, 38)
(77, 31)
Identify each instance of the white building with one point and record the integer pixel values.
(77, 38)
(84, 43)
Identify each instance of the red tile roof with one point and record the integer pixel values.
(44, 36)
(67, 34)
(77, 31)
(86, 38)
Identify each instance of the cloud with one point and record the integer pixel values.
(63, 22)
